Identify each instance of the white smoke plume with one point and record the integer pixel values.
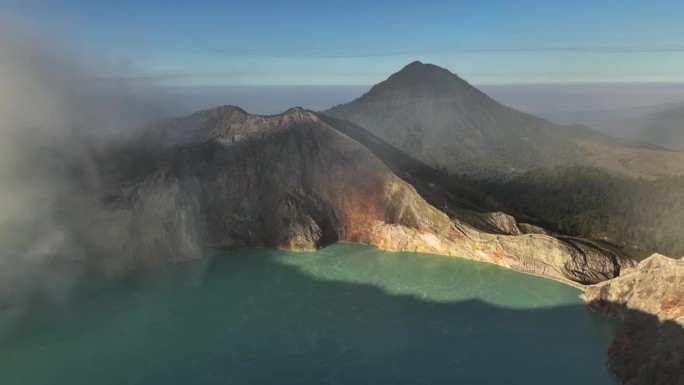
(55, 111)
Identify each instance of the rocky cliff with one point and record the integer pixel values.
(649, 299)
(222, 178)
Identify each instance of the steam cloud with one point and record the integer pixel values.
(55, 113)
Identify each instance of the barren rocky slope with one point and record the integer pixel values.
(649, 299)
(222, 178)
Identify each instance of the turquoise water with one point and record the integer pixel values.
(347, 314)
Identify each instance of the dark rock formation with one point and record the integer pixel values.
(649, 299)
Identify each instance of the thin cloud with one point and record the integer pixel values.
(316, 53)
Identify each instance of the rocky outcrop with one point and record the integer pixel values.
(222, 178)
(649, 299)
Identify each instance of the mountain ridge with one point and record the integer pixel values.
(662, 128)
(425, 110)
(295, 181)
(439, 118)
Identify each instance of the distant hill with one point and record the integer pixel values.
(440, 119)
(595, 118)
(664, 128)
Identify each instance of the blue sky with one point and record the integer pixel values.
(262, 42)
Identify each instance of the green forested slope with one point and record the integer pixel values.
(584, 201)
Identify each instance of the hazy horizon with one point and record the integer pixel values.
(541, 99)
(266, 56)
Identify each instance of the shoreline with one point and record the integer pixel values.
(568, 282)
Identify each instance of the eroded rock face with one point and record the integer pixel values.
(222, 178)
(649, 299)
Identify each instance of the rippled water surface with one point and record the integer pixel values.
(343, 315)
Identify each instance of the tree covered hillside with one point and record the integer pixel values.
(646, 215)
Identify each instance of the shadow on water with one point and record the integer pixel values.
(245, 318)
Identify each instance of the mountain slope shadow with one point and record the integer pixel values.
(646, 351)
(246, 318)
